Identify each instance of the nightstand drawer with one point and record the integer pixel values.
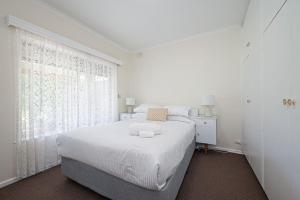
(206, 135)
(206, 123)
(125, 116)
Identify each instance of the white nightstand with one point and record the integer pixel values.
(206, 130)
(125, 116)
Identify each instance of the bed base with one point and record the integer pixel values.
(115, 188)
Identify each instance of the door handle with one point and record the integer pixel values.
(293, 102)
(289, 102)
(284, 102)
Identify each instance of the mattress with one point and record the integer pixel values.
(146, 162)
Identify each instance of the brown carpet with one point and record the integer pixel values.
(215, 176)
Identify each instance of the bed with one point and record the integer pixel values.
(108, 160)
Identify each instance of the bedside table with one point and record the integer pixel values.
(206, 131)
(125, 116)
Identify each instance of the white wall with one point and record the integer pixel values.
(50, 19)
(181, 72)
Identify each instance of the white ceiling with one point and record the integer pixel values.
(140, 24)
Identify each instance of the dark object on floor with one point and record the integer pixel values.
(214, 176)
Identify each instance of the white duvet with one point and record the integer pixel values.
(147, 162)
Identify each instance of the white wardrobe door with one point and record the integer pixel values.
(252, 107)
(276, 86)
(294, 153)
(246, 136)
(252, 139)
(255, 114)
(270, 8)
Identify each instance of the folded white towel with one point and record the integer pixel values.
(146, 134)
(136, 127)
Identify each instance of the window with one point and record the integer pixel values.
(61, 88)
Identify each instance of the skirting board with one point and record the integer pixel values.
(226, 149)
(8, 182)
(212, 147)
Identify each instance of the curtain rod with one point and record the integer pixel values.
(19, 23)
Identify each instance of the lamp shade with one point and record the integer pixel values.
(130, 101)
(208, 100)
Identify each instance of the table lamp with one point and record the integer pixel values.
(208, 102)
(130, 102)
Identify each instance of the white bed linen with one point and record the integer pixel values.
(135, 128)
(147, 162)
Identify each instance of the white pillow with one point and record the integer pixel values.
(139, 116)
(143, 108)
(180, 118)
(178, 110)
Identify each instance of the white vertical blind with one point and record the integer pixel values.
(59, 89)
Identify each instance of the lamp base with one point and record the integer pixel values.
(208, 111)
(129, 109)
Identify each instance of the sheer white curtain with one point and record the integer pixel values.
(59, 89)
